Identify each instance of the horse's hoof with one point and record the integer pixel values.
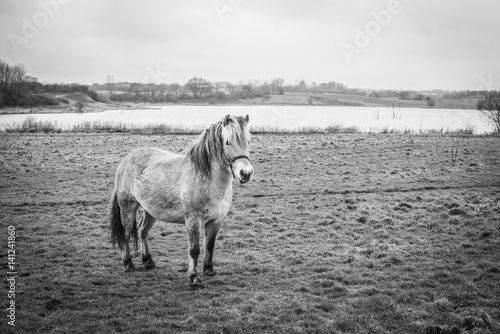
(148, 262)
(149, 266)
(210, 272)
(196, 283)
(130, 269)
(128, 265)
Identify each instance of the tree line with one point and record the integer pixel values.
(200, 88)
(194, 89)
(17, 89)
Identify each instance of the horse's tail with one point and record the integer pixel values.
(116, 226)
(115, 223)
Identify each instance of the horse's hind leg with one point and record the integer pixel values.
(193, 234)
(211, 230)
(138, 223)
(128, 210)
(146, 224)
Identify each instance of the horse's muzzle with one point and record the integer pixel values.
(245, 175)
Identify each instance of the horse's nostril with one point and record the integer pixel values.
(245, 175)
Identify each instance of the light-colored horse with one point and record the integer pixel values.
(194, 189)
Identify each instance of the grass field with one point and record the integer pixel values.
(365, 101)
(337, 233)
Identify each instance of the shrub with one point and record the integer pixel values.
(124, 97)
(220, 96)
(184, 96)
(489, 106)
(240, 95)
(62, 100)
(39, 100)
(93, 95)
(170, 98)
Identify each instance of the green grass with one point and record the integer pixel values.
(359, 233)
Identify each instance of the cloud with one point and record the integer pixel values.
(428, 44)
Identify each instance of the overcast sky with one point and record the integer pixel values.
(448, 44)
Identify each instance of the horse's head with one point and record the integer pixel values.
(236, 137)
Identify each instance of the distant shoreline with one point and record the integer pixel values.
(132, 106)
(287, 99)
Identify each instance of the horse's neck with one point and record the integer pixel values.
(221, 174)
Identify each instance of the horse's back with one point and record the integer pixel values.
(140, 161)
(143, 156)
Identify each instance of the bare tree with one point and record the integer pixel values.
(198, 87)
(80, 102)
(162, 89)
(231, 88)
(15, 79)
(302, 86)
(135, 88)
(110, 84)
(151, 89)
(175, 88)
(277, 86)
(4, 72)
(489, 106)
(206, 88)
(220, 86)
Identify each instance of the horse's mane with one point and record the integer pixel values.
(210, 144)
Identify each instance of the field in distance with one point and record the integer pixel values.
(287, 99)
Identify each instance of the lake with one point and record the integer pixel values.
(367, 119)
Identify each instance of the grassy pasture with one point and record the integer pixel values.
(356, 100)
(338, 233)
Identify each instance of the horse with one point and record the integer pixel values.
(194, 189)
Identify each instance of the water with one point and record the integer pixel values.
(367, 119)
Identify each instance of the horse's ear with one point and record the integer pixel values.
(247, 119)
(227, 120)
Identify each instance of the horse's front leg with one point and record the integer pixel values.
(211, 230)
(193, 226)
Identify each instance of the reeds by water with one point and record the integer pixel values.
(31, 125)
